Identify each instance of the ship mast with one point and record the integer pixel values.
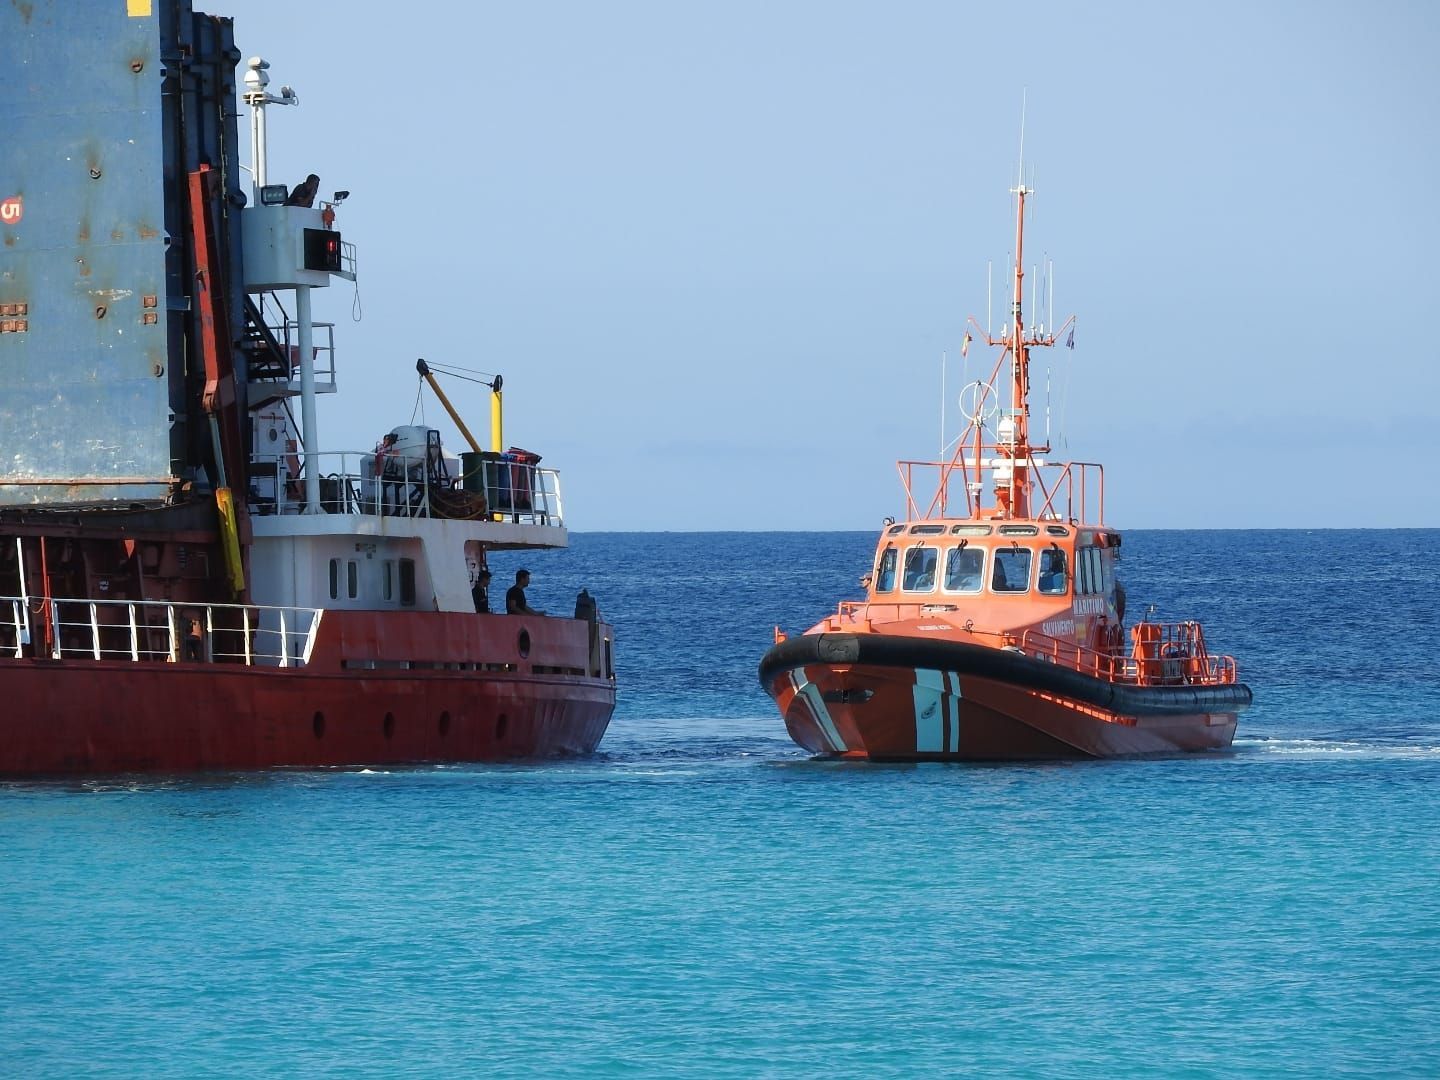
(1012, 499)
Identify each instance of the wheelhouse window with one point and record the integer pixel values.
(1091, 580)
(334, 579)
(920, 563)
(352, 579)
(885, 572)
(1052, 571)
(1011, 573)
(407, 582)
(965, 569)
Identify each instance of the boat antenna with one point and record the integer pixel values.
(1047, 404)
(943, 358)
(989, 301)
(1020, 181)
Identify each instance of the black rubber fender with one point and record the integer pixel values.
(1001, 665)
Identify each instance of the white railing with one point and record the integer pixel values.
(153, 630)
(15, 633)
(358, 482)
(286, 332)
(322, 350)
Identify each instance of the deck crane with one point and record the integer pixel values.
(496, 408)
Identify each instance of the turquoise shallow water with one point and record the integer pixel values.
(700, 899)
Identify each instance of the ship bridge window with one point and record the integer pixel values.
(965, 569)
(1019, 530)
(885, 571)
(1012, 570)
(926, 530)
(1052, 571)
(970, 530)
(1091, 579)
(407, 582)
(920, 563)
(352, 579)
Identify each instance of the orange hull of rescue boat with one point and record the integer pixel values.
(891, 698)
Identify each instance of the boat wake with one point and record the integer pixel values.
(1421, 747)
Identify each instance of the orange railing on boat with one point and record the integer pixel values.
(1162, 654)
(1072, 491)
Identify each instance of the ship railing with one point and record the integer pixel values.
(15, 633)
(1161, 654)
(253, 635)
(1088, 661)
(394, 485)
(1072, 491)
(286, 331)
(322, 352)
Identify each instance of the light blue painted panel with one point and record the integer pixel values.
(84, 387)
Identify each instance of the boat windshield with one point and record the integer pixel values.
(920, 565)
(885, 572)
(965, 569)
(1052, 571)
(1012, 570)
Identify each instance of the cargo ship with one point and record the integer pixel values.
(189, 578)
(993, 624)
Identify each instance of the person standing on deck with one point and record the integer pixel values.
(515, 603)
(480, 592)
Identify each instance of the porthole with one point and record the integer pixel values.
(389, 726)
(317, 724)
(444, 724)
(524, 643)
(502, 722)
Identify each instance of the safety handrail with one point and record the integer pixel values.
(253, 635)
(15, 631)
(1161, 654)
(1070, 491)
(397, 485)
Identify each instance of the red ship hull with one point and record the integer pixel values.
(983, 705)
(346, 707)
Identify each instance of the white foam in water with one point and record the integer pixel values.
(1334, 747)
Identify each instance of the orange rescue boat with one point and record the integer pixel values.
(998, 633)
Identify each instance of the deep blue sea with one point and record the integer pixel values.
(700, 899)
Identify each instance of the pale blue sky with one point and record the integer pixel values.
(717, 249)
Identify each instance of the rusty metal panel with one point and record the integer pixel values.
(84, 387)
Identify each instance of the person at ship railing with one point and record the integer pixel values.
(515, 603)
(194, 638)
(480, 592)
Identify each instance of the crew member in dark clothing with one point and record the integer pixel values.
(480, 592)
(194, 638)
(305, 191)
(515, 596)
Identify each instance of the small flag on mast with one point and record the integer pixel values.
(965, 343)
(1070, 341)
